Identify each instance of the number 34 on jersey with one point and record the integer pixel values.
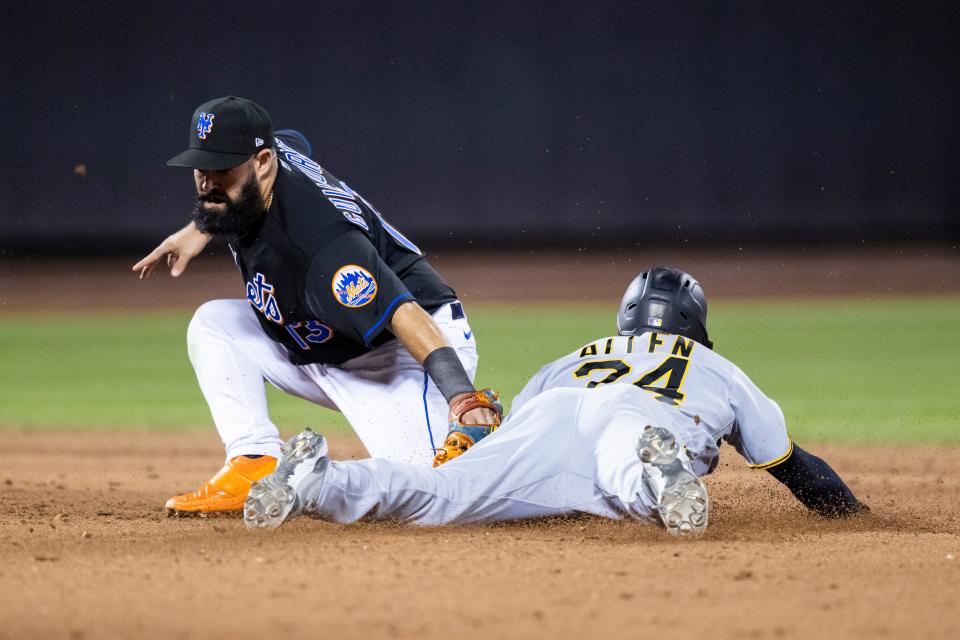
(629, 358)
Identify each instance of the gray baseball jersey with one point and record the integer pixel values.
(709, 398)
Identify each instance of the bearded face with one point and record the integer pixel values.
(218, 214)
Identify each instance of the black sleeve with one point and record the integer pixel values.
(816, 485)
(352, 288)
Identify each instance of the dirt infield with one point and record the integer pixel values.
(86, 552)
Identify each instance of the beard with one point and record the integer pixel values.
(236, 218)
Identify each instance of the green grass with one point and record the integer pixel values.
(842, 370)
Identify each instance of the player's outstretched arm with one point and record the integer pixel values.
(417, 331)
(178, 249)
(817, 485)
(473, 414)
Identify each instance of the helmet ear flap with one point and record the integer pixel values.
(704, 340)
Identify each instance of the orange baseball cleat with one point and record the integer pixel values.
(224, 492)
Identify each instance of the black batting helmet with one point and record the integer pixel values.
(665, 300)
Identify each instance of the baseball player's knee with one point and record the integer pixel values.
(207, 320)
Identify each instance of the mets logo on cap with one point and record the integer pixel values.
(354, 286)
(204, 125)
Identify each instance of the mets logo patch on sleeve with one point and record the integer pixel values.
(354, 286)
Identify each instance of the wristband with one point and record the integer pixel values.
(447, 372)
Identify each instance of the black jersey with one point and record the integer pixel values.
(324, 271)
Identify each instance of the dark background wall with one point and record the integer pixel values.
(529, 123)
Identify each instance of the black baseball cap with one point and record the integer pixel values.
(224, 133)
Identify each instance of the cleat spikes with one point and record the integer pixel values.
(273, 499)
(657, 446)
(682, 500)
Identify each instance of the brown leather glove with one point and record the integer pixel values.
(463, 436)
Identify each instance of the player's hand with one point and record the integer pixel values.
(480, 415)
(476, 408)
(473, 416)
(178, 249)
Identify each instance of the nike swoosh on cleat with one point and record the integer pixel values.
(467, 334)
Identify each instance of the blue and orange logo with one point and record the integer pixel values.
(354, 286)
(204, 125)
(260, 295)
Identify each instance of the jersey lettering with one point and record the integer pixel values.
(682, 347)
(307, 166)
(345, 206)
(260, 295)
(618, 369)
(272, 311)
(663, 381)
(342, 199)
(315, 332)
(331, 191)
(655, 342)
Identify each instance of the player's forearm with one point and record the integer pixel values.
(817, 485)
(417, 331)
(191, 235)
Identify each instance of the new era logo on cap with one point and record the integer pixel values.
(259, 142)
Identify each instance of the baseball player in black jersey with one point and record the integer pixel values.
(341, 308)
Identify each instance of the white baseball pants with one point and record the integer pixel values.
(388, 398)
(566, 451)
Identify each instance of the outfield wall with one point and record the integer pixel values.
(497, 123)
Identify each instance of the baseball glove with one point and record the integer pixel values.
(463, 436)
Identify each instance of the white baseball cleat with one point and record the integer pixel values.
(681, 496)
(273, 499)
